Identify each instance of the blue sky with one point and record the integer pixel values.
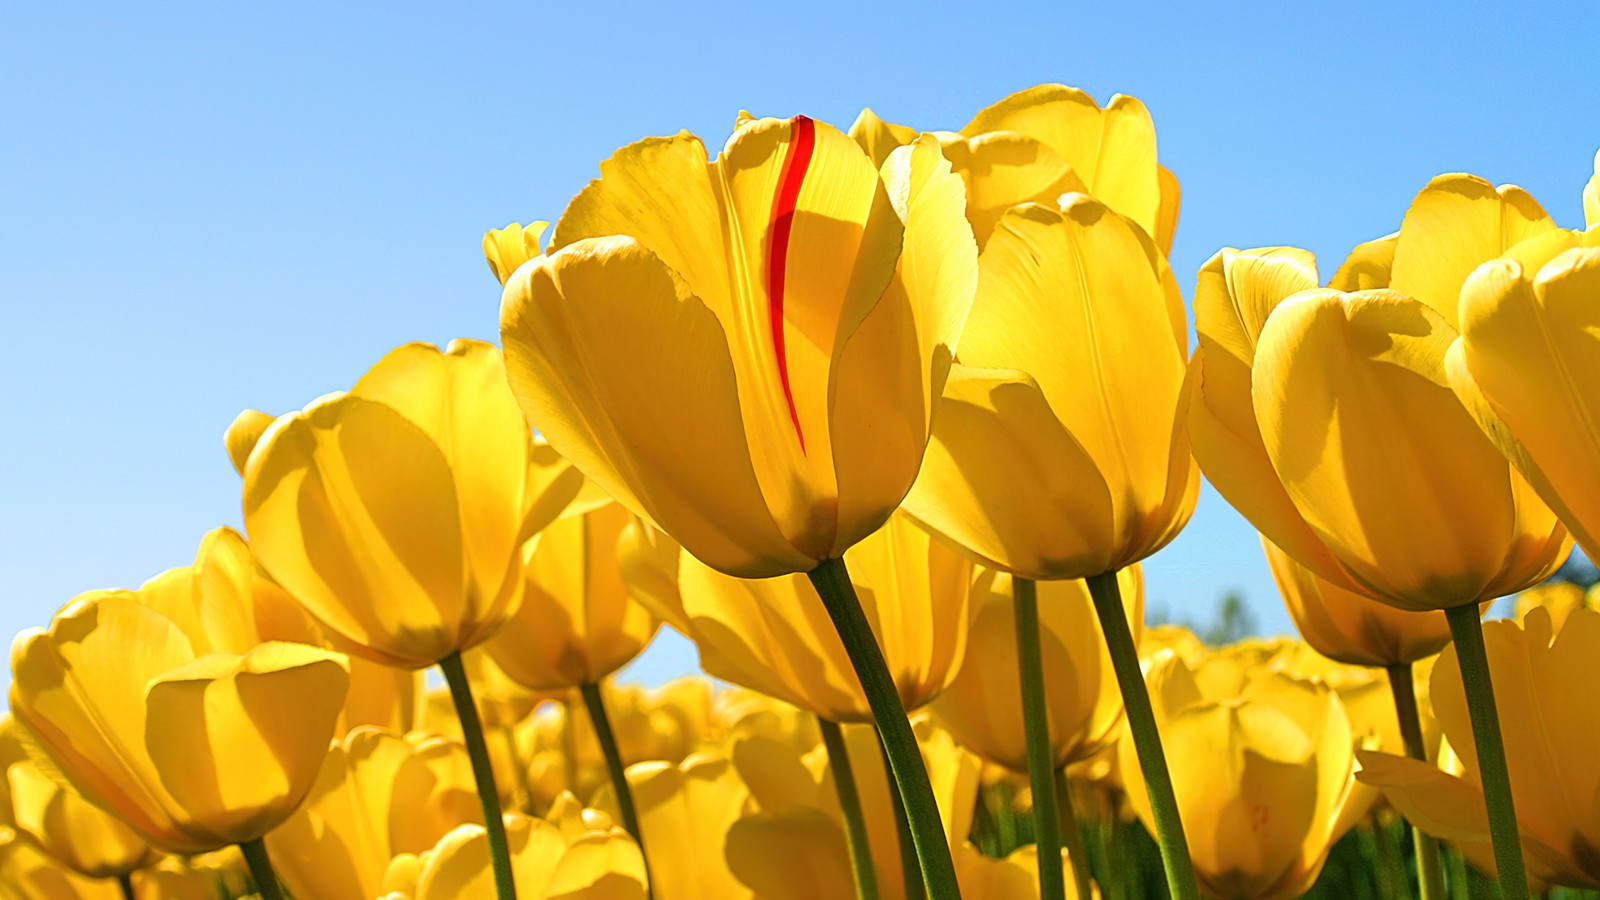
(211, 207)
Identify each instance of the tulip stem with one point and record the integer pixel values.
(1430, 871)
(1036, 728)
(1072, 835)
(455, 675)
(855, 825)
(125, 881)
(1467, 629)
(255, 856)
(1146, 739)
(1005, 800)
(910, 866)
(832, 581)
(595, 703)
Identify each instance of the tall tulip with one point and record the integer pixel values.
(396, 515)
(1319, 415)
(194, 752)
(748, 352)
(1052, 465)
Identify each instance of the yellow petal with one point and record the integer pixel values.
(353, 509)
(1591, 197)
(652, 362)
(27, 873)
(877, 137)
(1351, 396)
(1167, 216)
(1454, 225)
(508, 248)
(1001, 170)
(792, 854)
(685, 812)
(238, 741)
(1367, 267)
(1532, 346)
(242, 435)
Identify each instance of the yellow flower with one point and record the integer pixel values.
(193, 751)
(84, 838)
(685, 811)
(1054, 465)
(1527, 365)
(578, 623)
(1346, 626)
(396, 513)
(509, 247)
(577, 857)
(1321, 419)
(1264, 779)
(983, 707)
(1559, 598)
(378, 795)
(748, 351)
(1012, 878)
(1550, 722)
(27, 873)
(773, 636)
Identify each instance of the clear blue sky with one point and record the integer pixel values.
(215, 206)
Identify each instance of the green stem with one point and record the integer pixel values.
(1072, 835)
(1036, 728)
(482, 772)
(596, 705)
(1390, 869)
(1146, 739)
(1467, 629)
(855, 824)
(125, 881)
(832, 581)
(1005, 799)
(1458, 876)
(910, 866)
(255, 856)
(1430, 871)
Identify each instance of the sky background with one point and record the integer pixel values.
(209, 207)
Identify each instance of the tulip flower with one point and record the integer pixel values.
(1526, 366)
(748, 352)
(194, 752)
(685, 811)
(508, 248)
(1265, 780)
(76, 834)
(377, 796)
(1550, 735)
(26, 873)
(1052, 465)
(1558, 598)
(396, 515)
(1318, 414)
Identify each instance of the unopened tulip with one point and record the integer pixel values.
(193, 752)
(982, 707)
(1264, 780)
(1551, 727)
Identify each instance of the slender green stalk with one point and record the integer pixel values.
(1389, 867)
(855, 824)
(910, 865)
(1072, 835)
(1467, 629)
(832, 581)
(1006, 800)
(1430, 871)
(596, 704)
(1036, 728)
(488, 795)
(1146, 740)
(125, 881)
(255, 856)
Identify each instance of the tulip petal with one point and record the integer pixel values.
(1591, 197)
(243, 434)
(1351, 396)
(1367, 267)
(629, 377)
(1001, 170)
(1456, 223)
(508, 248)
(685, 812)
(877, 137)
(792, 854)
(1167, 215)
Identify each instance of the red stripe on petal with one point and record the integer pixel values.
(802, 140)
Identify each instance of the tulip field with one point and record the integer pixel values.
(884, 420)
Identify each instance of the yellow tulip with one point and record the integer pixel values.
(1265, 778)
(685, 811)
(1055, 465)
(509, 247)
(748, 352)
(1320, 420)
(1559, 598)
(1014, 878)
(1349, 627)
(378, 795)
(773, 636)
(1527, 365)
(243, 433)
(84, 838)
(592, 861)
(1551, 723)
(982, 707)
(578, 623)
(396, 513)
(194, 752)
(1591, 197)
(26, 873)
